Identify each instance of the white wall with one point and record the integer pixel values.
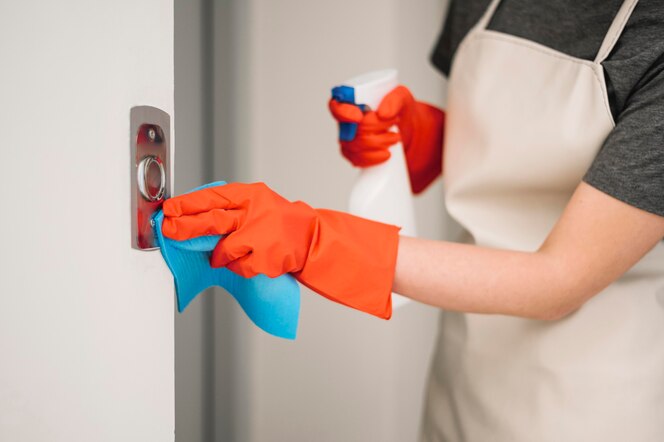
(86, 323)
(348, 376)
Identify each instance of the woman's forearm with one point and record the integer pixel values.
(474, 279)
(596, 240)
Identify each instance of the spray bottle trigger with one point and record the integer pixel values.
(345, 94)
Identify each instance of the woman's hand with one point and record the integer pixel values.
(420, 130)
(373, 138)
(348, 259)
(266, 233)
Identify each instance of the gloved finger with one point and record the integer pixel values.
(393, 102)
(242, 266)
(370, 143)
(229, 249)
(213, 222)
(345, 112)
(371, 160)
(371, 123)
(253, 264)
(367, 159)
(377, 141)
(197, 202)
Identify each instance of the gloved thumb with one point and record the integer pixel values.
(345, 112)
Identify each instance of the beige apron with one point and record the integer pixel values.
(524, 123)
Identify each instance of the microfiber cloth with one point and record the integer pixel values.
(273, 304)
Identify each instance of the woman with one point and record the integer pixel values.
(553, 323)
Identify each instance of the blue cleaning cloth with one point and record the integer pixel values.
(273, 304)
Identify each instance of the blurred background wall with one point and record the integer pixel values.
(252, 82)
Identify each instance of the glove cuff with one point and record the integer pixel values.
(352, 261)
(424, 149)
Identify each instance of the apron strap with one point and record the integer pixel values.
(615, 29)
(486, 18)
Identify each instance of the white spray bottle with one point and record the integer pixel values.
(382, 192)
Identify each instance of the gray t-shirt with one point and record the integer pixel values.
(630, 164)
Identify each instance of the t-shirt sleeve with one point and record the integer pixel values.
(630, 164)
(461, 17)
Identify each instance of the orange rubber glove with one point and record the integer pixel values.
(420, 130)
(345, 258)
